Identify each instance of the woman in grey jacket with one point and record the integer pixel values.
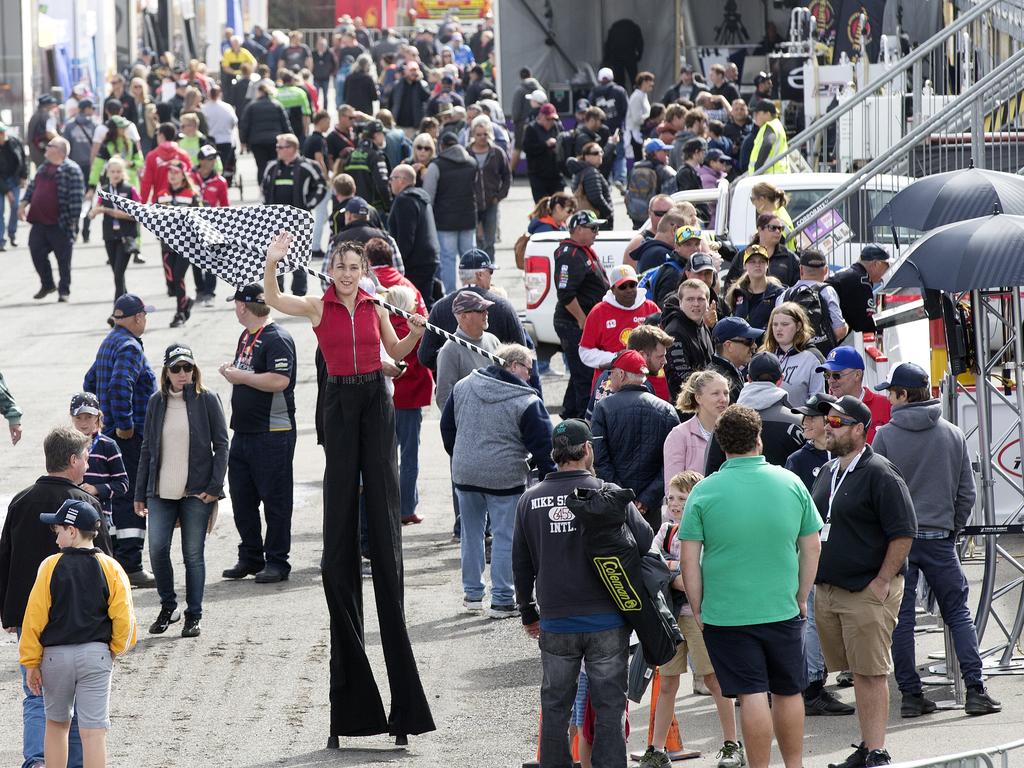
(788, 336)
(182, 465)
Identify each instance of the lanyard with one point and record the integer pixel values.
(246, 352)
(837, 480)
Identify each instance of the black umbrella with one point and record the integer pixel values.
(986, 252)
(955, 196)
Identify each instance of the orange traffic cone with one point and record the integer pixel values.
(575, 747)
(673, 741)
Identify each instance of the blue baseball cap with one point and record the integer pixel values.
(906, 375)
(76, 512)
(357, 206)
(128, 304)
(474, 258)
(840, 359)
(655, 145)
(729, 328)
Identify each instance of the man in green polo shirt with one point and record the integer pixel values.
(757, 528)
(295, 100)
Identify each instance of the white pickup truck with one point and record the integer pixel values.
(734, 220)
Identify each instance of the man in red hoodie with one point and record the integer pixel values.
(154, 175)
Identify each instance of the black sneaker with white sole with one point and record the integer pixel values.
(877, 757)
(502, 611)
(855, 760)
(167, 617)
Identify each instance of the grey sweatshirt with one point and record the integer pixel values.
(932, 456)
(455, 362)
(799, 378)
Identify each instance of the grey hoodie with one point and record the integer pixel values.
(781, 434)
(932, 456)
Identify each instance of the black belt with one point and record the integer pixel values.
(359, 378)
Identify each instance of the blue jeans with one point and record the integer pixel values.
(488, 219)
(813, 657)
(11, 182)
(320, 214)
(453, 243)
(33, 718)
(407, 430)
(619, 164)
(937, 560)
(606, 656)
(339, 90)
(474, 509)
(194, 516)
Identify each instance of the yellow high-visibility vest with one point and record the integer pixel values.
(782, 166)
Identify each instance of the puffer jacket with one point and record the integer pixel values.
(781, 434)
(262, 121)
(692, 349)
(592, 190)
(629, 429)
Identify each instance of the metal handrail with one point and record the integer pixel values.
(982, 755)
(891, 156)
(935, 41)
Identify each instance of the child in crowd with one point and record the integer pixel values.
(666, 540)
(106, 478)
(78, 618)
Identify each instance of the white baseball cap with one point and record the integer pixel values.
(604, 74)
(538, 96)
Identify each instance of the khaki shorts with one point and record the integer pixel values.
(855, 628)
(693, 644)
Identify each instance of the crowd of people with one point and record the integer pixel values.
(794, 509)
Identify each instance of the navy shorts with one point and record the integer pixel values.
(759, 657)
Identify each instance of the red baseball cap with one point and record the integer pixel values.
(631, 361)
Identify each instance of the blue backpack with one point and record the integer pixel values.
(646, 282)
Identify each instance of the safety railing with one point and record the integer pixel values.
(856, 125)
(1008, 755)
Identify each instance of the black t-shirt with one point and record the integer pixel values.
(269, 349)
(871, 507)
(337, 143)
(296, 55)
(578, 275)
(315, 142)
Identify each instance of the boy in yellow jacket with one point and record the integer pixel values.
(79, 617)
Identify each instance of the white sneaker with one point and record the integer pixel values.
(471, 605)
(502, 611)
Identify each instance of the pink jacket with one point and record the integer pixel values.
(684, 448)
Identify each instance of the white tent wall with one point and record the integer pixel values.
(579, 28)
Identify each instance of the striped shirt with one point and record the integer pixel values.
(106, 472)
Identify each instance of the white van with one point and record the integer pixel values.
(733, 220)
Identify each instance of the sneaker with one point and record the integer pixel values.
(980, 703)
(240, 570)
(826, 704)
(63, 298)
(188, 308)
(167, 617)
(503, 611)
(877, 757)
(472, 604)
(699, 686)
(367, 569)
(139, 260)
(856, 760)
(844, 679)
(655, 758)
(191, 628)
(915, 705)
(731, 755)
(271, 576)
(208, 301)
(11, 241)
(178, 320)
(2, 247)
(42, 293)
(142, 579)
(413, 519)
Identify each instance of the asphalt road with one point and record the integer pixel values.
(252, 690)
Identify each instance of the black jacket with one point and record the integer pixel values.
(262, 121)
(369, 168)
(629, 429)
(207, 445)
(541, 160)
(418, 94)
(411, 223)
(25, 542)
(728, 370)
(502, 321)
(692, 349)
(856, 297)
(494, 180)
(454, 195)
(783, 265)
(780, 427)
(359, 231)
(759, 314)
(578, 275)
(595, 188)
(361, 91)
(651, 253)
(308, 186)
(13, 161)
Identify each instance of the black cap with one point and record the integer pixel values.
(696, 144)
(761, 77)
(85, 402)
(906, 375)
(873, 252)
(86, 104)
(207, 151)
(374, 126)
(811, 257)
(474, 258)
(701, 262)
(46, 100)
(816, 405)
(178, 353)
(80, 514)
(851, 405)
(764, 366)
(250, 294)
(449, 139)
(571, 432)
(765, 106)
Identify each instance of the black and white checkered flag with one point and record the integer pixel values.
(232, 243)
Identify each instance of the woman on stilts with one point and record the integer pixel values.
(359, 441)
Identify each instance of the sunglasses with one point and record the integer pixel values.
(425, 149)
(594, 154)
(837, 422)
(660, 213)
(181, 368)
(775, 227)
(836, 375)
(744, 342)
(282, 146)
(624, 287)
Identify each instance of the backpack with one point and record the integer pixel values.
(646, 282)
(643, 185)
(564, 149)
(823, 338)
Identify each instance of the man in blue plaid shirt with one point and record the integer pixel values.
(52, 205)
(124, 382)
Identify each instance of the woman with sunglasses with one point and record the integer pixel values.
(705, 395)
(782, 263)
(788, 338)
(753, 296)
(592, 190)
(767, 198)
(423, 151)
(182, 464)
(358, 427)
(551, 213)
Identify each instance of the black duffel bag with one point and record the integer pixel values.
(635, 580)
